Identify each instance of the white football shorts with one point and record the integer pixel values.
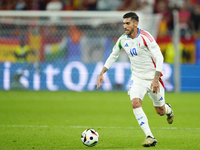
(139, 88)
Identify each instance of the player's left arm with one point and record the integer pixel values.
(158, 59)
(155, 86)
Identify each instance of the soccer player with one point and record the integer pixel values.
(147, 66)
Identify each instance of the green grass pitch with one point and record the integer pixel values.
(55, 120)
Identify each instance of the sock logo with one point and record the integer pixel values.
(140, 118)
(141, 123)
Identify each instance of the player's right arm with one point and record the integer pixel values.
(114, 55)
(111, 59)
(100, 78)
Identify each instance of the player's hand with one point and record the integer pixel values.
(99, 81)
(155, 86)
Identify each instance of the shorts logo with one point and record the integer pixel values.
(161, 99)
(131, 82)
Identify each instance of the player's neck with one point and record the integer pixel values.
(134, 34)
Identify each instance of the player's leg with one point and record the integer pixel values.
(160, 110)
(169, 112)
(137, 93)
(160, 106)
(141, 116)
(166, 110)
(143, 122)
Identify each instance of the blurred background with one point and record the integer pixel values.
(62, 44)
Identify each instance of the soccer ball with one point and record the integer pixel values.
(90, 137)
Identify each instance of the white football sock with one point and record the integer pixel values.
(168, 110)
(142, 120)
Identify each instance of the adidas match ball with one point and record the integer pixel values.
(90, 137)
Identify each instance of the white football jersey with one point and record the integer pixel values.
(144, 54)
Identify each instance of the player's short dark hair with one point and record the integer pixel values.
(131, 15)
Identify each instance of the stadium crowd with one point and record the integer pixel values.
(189, 18)
(189, 10)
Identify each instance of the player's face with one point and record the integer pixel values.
(129, 25)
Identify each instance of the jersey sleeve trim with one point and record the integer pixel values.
(145, 43)
(147, 35)
(160, 74)
(120, 45)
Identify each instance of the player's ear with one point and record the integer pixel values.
(136, 23)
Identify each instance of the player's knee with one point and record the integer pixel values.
(160, 111)
(136, 103)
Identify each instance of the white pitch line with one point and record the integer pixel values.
(26, 126)
(104, 127)
(163, 128)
